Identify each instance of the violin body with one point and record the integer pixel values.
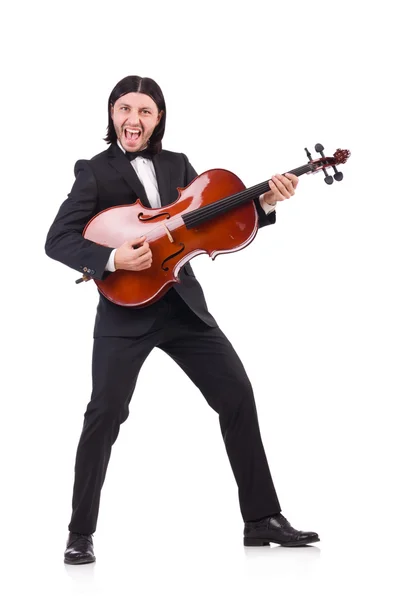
(171, 242)
(214, 214)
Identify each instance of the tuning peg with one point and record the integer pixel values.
(328, 178)
(340, 157)
(338, 175)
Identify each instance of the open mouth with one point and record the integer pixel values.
(132, 135)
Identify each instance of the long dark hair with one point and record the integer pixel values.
(144, 85)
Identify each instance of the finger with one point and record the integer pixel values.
(141, 263)
(145, 265)
(287, 184)
(144, 258)
(294, 179)
(136, 241)
(281, 189)
(277, 196)
(141, 250)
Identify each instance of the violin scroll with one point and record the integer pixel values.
(321, 164)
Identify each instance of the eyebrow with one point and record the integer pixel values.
(129, 106)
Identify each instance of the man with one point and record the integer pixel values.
(179, 323)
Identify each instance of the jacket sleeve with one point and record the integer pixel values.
(190, 173)
(65, 241)
(264, 219)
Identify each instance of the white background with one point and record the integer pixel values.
(309, 305)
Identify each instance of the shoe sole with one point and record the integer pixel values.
(79, 561)
(267, 542)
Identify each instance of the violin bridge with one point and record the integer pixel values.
(168, 233)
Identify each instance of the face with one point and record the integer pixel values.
(135, 117)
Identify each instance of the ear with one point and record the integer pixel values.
(159, 116)
(111, 110)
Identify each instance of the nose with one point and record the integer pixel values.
(133, 117)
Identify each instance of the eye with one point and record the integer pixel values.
(145, 110)
(124, 107)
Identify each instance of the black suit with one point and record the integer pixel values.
(109, 180)
(179, 323)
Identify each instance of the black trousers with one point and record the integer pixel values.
(208, 358)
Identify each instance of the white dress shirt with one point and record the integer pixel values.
(144, 168)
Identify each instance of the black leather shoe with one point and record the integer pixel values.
(276, 530)
(79, 549)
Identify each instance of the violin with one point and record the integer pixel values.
(215, 214)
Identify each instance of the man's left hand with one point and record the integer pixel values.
(281, 187)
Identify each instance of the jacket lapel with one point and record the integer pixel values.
(120, 162)
(162, 170)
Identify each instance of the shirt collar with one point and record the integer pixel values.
(120, 146)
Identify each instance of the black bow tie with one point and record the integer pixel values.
(145, 153)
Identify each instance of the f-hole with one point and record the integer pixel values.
(182, 247)
(143, 218)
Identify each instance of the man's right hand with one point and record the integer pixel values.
(133, 259)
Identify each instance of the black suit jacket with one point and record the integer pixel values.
(107, 180)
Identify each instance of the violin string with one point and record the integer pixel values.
(219, 206)
(207, 211)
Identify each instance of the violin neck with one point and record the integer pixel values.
(261, 188)
(205, 213)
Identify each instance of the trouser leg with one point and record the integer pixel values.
(116, 363)
(208, 358)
